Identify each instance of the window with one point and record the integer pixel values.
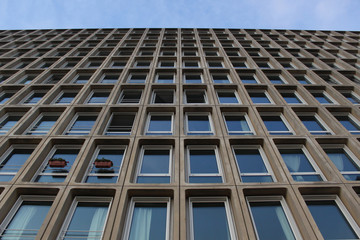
(169, 64)
(8, 121)
(81, 125)
(198, 124)
(291, 97)
(148, 218)
(159, 124)
(97, 97)
(220, 78)
(314, 124)
(43, 124)
(252, 164)
(5, 96)
(97, 173)
(238, 124)
(50, 173)
(137, 78)
(349, 122)
(263, 65)
(33, 97)
(352, 97)
(272, 209)
(260, 97)
(12, 161)
(345, 161)
(193, 78)
(120, 124)
(276, 125)
(300, 164)
(65, 98)
(82, 79)
(25, 217)
(142, 64)
(162, 97)
(203, 165)
(195, 96)
(248, 79)
(110, 78)
(227, 97)
(191, 64)
(276, 79)
(215, 64)
(323, 98)
(239, 64)
(165, 78)
(154, 165)
(331, 217)
(118, 64)
(27, 79)
(86, 218)
(302, 79)
(130, 96)
(210, 218)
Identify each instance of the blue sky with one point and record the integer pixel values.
(278, 14)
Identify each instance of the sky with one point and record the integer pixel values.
(261, 14)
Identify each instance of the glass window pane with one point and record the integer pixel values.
(237, 125)
(275, 124)
(264, 213)
(198, 124)
(13, 162)
(227, 97)
(155, 166)
(8, 123)
(259, 97)
(82, 125)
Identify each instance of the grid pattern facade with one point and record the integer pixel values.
(235, 119)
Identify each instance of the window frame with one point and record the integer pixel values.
(59, 96)
(154, 133)
(285, 207)
(211, 199)
(27, 97)
(154, 92)
(37, 120)
(325, 95)
(130, 213)
(111, 118)
(6, 116)
(228, 91)
(94, 91)
(141, 158)
(195, 90)
(201, 78)
(297, 95)
(121, 97)
(264, 158)
(164, 73)
(94, 156)
(351, 118)
(74, 204)
(271, 101)
(218, 163)
(321, 122)
(247, 119)
(74, 119)
(283, 119)
(312, 162)
(208, 114)
(129, 81)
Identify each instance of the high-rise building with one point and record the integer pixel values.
(150, 134)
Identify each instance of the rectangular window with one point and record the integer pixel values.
(137, 78)
(203, 165)
(323, 98)
(211, 218)
(97, 97)
(248, 79)
(227, 97)
(191, 64)
(165, 78)
(332, 217)
(33, 97)
(154, 165)
(65, 98)
(291, 97)
(345, 161)
(276, 79)
(86, 218)
(348, 122)
(195, 96)
(8, 121)
(162, 97)
(193, 78)
(238, 124)
(57, 164)
(26, 217)
(81, 79)
(5, 96)
(217, 78)
(120, 124)
(159, 124)
(302, 79)
(300, 164)
(198, 124)
(314, 124)
(167, 64)
(130, 96)
(252, 164)
(148, 218)
(81, 125)
(12, 161)
(352, 97)
(260, 97)
(110, 78)
(43, 124)
(105, 164)
(272, 209)
(276, 125)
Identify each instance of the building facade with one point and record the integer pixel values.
(179, 134)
